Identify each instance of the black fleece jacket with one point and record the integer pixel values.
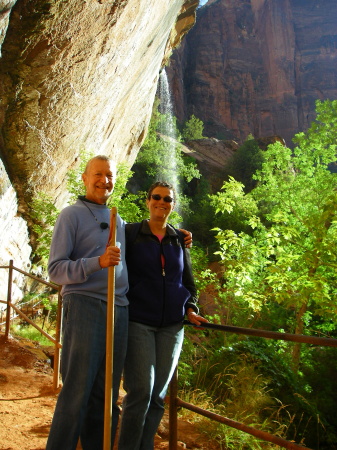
(158, 294)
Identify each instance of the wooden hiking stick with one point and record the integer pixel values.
(110, 315)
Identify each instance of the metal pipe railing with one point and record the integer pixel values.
(57, 340)
(263, 435)
(173, 412)
(31, 322)
(175, 401)
(30, 275)
(326, 342)
(9, 297)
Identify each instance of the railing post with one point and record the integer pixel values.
(9, 298)
(57, 351)
(173, 416)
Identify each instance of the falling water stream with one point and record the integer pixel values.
(168, 132)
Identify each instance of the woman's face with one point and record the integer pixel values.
(159, 206)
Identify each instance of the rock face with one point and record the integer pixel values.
(256, 66)
(14, 238)
(75, 75)
(211, 156)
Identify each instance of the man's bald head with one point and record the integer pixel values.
(99, 178)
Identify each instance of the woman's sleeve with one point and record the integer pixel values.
(188, 281)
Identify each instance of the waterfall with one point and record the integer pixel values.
(168, 170)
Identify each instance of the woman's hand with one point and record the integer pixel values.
(194, 318)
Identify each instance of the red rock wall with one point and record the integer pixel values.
(257, 66)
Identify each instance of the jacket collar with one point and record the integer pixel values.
(145, 229)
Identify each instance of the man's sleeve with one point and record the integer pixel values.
(63, 267)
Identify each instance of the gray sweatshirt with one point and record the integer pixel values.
(77, 242)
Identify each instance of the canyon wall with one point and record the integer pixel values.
(74, 75)
(256, 66)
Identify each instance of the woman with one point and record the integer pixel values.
(161, 292)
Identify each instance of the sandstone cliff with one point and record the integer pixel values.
(74, 75)
(211, 156)
(256, 66)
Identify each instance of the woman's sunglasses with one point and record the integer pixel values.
(166, 199)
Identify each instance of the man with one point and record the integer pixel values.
(79, 258)
(79, 261)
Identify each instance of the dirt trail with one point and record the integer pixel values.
(27, 402)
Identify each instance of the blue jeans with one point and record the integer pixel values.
(152, 356)
(79, 410)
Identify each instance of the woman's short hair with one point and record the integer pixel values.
(161, 184)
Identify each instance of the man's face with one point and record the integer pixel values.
(99, 180)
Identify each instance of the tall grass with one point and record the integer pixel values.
(246, 401)
(31, 333)
(236, 390)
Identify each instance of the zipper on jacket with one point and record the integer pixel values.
(162, 259)
(164, 283)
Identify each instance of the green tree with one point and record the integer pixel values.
(44, 213)
(130, 206)
(193, 129)
(161, 156)
(75, 184)
(290, 255)
(245, 162)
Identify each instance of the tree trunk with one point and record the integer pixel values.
(296, 353)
